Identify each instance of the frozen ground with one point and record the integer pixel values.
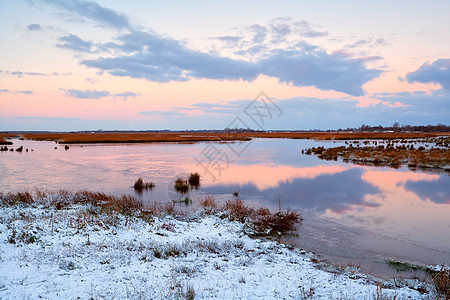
(80, 253)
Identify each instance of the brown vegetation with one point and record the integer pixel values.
(63, 199)
(441, 282)
(183, 186)
(209, 201)
(261, 220)
(140, 185)
(195, 136)
(3, 141)
(390, 155)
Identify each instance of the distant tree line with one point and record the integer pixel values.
(396, 127)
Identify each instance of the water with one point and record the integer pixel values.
(359, 214)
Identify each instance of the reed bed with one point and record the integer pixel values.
(390, 155)
(194, 136)
(3, 141)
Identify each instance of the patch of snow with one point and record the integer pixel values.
(66, 254)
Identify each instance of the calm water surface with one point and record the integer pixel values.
(354, 213)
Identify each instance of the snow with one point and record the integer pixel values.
(81, 253)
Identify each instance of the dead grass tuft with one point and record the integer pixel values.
(13, 199)
(181, 185)
(238, 211)
(281, 221)
(140, 185)
(441, 282)
(209, 201)
(263, 221)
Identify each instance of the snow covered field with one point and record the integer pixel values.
(83, 253)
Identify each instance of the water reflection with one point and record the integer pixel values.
(437, 191)
(318, 189)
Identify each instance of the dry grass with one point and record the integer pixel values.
(187, 136)
(131, 137)
(441, 282)
(63, 199)
(281, 221)
(3, 141)
(12, 199)
(238, 211)
(209, 201)
(263, 221)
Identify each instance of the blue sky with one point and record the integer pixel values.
(82, 65)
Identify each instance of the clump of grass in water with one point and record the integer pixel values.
(140, 185)
(194, 180)
(181, 185)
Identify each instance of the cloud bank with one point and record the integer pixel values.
(92, 11)
(436, 72)
(149, 56)
(271, 52)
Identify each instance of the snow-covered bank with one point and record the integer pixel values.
(77, 252)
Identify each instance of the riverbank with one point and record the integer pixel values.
(56, 246)
(200, 136)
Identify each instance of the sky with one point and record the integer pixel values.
(69, 65)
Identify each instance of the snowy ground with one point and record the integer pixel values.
(79, 253)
